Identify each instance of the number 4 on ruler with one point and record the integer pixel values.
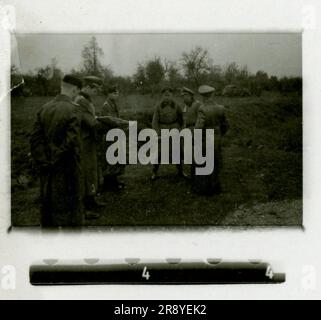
(146, 273)
(269, 272)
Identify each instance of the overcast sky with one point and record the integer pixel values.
(275, 53)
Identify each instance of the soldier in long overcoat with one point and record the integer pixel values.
(56, 149)
(89, 127)
(211, 116)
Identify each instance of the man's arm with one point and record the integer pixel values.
(109, 122)
(200, 122)
(86, 111)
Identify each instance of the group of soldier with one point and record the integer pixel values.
(68, 146)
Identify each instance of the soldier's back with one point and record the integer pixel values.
(55, 117)
(211, 115)
(60, 183)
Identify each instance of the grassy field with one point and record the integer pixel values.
(261, 176)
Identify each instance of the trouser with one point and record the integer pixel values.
(107, 173)
(208, 184)
(179, 166)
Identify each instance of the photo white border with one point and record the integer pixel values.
(291, 250)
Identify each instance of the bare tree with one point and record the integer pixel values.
(196, 64)
(155, 73)
(243, 76)
(91, 54)
(43, 76)
(231, 72)
(172, 73)
(139, 77)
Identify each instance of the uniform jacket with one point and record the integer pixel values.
(167, 115)
(87, 110)
(110, 108)
(212, 116)
(56, 132)
(109, 117)
(190, 114)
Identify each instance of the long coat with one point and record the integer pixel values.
(88, 144)
(110, 108)
(55, 148)
(211, 116)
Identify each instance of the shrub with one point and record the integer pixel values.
(290, 136)
(283, 176)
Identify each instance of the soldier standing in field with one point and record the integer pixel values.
(91, 86)
(56, 151)
(167, 115)
(190, 113)
(211, 116)
(110, 172)
(190, 108)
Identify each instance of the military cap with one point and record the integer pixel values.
(187, 91)
(167, 88)
(93, 81)
(73, 80)
(204, 89)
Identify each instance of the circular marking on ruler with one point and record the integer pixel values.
(214, 261)
(91, 261)
(132, 261)
(255, 261)
(50, 262)
(173, 260)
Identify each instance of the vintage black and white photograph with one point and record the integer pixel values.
(156, 129)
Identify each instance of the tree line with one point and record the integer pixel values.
(192, 69)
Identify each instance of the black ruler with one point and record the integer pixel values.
(134, 271)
